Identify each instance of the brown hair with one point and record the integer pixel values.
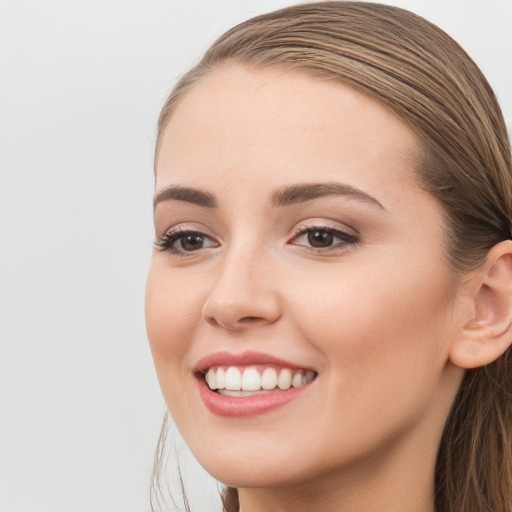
(428, 81)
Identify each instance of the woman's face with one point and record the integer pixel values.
(294, 237)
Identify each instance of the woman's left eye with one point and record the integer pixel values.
(323, 238)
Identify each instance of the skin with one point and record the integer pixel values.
(376, 319)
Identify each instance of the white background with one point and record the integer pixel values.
(81, 84)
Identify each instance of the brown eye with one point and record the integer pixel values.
(324, 240)
(183, 242)
(320, 238)
(191, 242)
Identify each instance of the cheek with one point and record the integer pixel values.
(172, 316)
(377, 327)
(383, 351)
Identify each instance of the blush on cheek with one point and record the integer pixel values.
(169, 342)
(168, 339)
(167, 336)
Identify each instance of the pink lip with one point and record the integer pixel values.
(244, 359)
(234, 407)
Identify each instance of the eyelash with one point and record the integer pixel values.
(169, 239)
(345, 239)
(166, 243)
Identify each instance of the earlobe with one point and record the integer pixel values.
(488, 334)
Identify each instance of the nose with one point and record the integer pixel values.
(244, 296)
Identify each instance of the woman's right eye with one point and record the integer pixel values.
(185, 242)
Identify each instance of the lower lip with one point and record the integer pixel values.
(243, 406)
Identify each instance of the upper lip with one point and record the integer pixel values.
(247, 358)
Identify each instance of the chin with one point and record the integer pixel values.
(253, 474)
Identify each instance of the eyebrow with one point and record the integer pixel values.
(308, 191)
(186, 194)
(284, 196)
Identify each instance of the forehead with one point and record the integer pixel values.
(278, 122)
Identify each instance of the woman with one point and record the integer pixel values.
(329, 302)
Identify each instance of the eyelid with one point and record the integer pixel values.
(348, 237)
(320, 223)
(166, 242)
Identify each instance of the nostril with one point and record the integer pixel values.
(212, 320)
(250, 319)
(236, 324)
(242, 313)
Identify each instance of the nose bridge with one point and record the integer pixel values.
(244, 294)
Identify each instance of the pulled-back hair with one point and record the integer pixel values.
(426, 79)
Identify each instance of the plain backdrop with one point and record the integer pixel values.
(81, 85)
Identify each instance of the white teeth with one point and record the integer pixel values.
(211, 378)
(284, 381)
(269, 379)
(251, 380)
(233, 379)
(226, 392)
(221, 379)
(297, 379)
(248, 381)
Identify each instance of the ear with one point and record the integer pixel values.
(488, 334)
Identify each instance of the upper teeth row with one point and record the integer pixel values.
(249, 379)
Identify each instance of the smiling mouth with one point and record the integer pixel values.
(236, 381)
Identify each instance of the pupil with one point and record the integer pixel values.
(191, 242)
(319, 238)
